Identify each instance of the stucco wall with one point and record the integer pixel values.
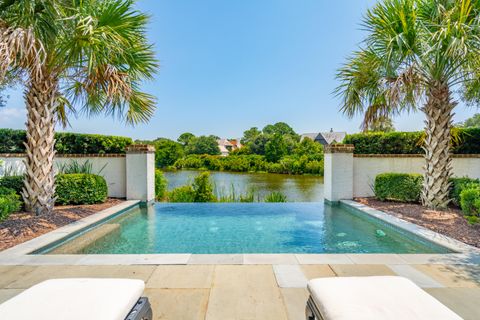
(114, 168)
(366, 167)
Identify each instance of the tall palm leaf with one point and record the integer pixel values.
(417, 53)
(85, 55)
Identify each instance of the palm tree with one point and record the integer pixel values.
(77, 55)
(417, 53)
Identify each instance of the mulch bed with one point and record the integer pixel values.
(449, 222)
(23, 226)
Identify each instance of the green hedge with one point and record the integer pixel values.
(12, 182)
(9, 202)
(401, 187)
(460, 184)
(67, 143)
(470, 204)
(80, 188)
(467, 142)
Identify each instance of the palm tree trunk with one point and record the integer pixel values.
(39, 184)
(438, 161)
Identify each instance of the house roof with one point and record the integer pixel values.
(327, 137)
(331, 137)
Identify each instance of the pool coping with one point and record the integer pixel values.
(21, 253)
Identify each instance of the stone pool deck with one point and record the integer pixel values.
(256, 291)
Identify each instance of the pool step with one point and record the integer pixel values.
(87, 239)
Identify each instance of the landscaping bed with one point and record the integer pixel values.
(449, 222)
(23, 226)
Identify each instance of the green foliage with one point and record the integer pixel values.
(160, 185)
(12, 182)
(381, 124)
(9, 202)
(67, 143)
(472, 122)
(465, 141)
(185, 138)
(402, 187)
(275, 148)
(203, 188)
(470, 201)
(386, 143)
(460, 184)
(202, 145)
(74, 166)
(254, 163)
(12, 141)
(182, 194)
(79, 188)
(276, 197)
(167, 152)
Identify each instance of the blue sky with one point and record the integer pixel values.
(229, 65)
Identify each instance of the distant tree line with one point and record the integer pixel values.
(276, 148)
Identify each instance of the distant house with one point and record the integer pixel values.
(325, 138)
(228, 145)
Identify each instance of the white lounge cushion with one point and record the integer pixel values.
(74, 299)
(375, 298)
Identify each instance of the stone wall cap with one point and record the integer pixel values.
(140, 148)
(339, 148)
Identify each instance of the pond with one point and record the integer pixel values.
(297, 188)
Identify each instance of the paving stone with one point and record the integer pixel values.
(178, 304)
(189, 276)
(295, 300)
(463, 301)
(269, 259)
(216, 259)
(312, 271)
(323, 259)
(10, 274)
(6, 294)
(418, 277)
(361, 270)
(289, 276)
(453, 276)
(43, 273)
(376, 258)
(245, 292)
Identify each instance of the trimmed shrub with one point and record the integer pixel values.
(160, 185)
(182, 194)
(9, 202)
(386, 143)
(203, 188)
(67, 143)
(80, 188)
(276, 197)
(12, 182)
(460, 184)
(470, 201)
(401, 187)
(467, 141)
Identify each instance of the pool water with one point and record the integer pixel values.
(252, 228)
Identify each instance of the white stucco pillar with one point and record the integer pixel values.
(140, 166)
(338, 172)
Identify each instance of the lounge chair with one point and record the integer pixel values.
(80, 299)
(372, 298)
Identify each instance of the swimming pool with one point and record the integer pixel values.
(221, 228)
